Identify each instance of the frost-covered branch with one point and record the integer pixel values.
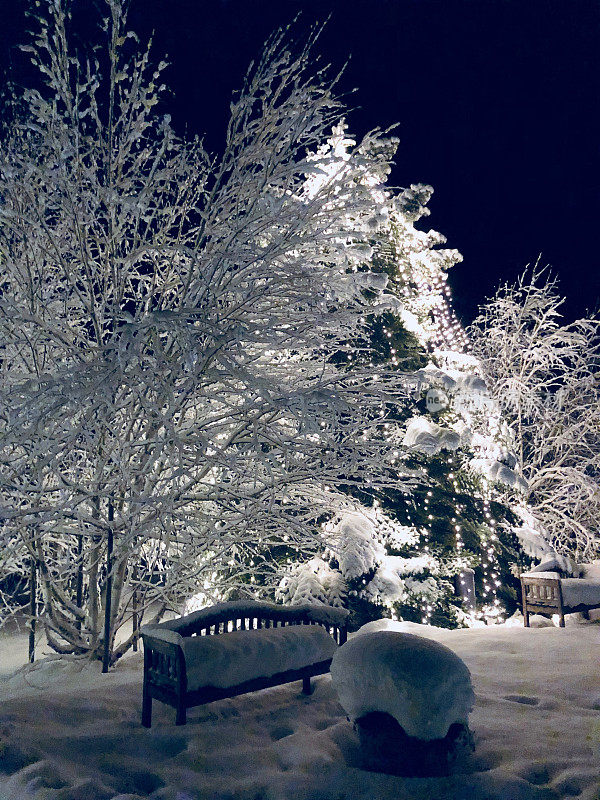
(168, 327)
(544, 374)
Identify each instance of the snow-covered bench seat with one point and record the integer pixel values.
(237, 647)
(547, 593)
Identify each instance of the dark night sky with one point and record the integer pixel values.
(497, 100)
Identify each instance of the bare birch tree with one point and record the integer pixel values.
(545, 376)
(171, 413)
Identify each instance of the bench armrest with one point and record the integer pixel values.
(546, 575)
(149, 632)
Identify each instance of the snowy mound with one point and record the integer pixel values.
(400, 626)
(421, 683)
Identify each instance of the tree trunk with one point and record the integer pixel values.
(32, 609)
(108, 591)
(79, 589)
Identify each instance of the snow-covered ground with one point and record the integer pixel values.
(68, 732)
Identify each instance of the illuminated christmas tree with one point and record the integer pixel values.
(412, 551)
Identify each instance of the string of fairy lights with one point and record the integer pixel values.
(423, 285)
(491, 610)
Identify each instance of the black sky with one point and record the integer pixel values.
(497, 100)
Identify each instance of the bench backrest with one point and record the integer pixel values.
(542, 591)
(236, 616)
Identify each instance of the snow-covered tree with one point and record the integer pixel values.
(544, 375)
(407, 549)
(171, 414)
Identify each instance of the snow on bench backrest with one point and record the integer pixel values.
(225, 661)
(251, 609)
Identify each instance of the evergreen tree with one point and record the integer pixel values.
(408, 551)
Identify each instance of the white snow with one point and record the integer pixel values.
(471, 384)
(533, 541)
(240, 656)
(249, 608)
(386, 587)
(591, 571)
(556, 562)
(412, 324)
(455, 359)
(359, 549)
(576, 591)
(496, 471)
(392, 582)
(504, 474)
(432, 375)
(67, 732)
(312, 582)
(427, 437)
(544, 574)
(424, 685)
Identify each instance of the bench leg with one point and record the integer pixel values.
(524, 603)
(146, 708)
(306, 686)
(180, 715)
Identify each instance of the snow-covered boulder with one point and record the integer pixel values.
(424, 685)
(400, 626)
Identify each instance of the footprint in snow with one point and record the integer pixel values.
(521, 698)
(280, 733)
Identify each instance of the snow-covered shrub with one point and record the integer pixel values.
(392, 582)
(358, 549)
(424, 436)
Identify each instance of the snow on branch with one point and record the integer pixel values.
(169, 322)
(544, 375)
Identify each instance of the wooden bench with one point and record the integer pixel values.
(174, 654)
(548, 594)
